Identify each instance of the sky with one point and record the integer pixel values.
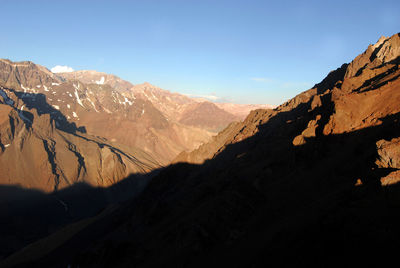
(262, 52)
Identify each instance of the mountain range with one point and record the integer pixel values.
(92, 127)
(312, 182)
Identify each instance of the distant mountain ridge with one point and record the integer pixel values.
(174, 106)
(155, 124)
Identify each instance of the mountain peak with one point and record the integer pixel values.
(146, 85)
(17, 63)
(386, 50)
(381, 40)
(24, 74)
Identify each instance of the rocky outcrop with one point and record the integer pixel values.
(389, 158)
(388, 153)
(391, 179)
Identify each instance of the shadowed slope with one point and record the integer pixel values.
(298, 185)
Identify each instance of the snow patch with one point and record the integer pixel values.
(74, 114)
(56, 106)
(45, 88)
(69, 106)
(24, 88)
(128, 101)
(55, 84)
(6, 145)
(101, 81)
(94, 106)
(77, 96)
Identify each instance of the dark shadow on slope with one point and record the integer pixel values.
(38, 101)
(276, 202)
(394, 61)
(376, 82)
(376, 51)
(28, 215)
(298, 210)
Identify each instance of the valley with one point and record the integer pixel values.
(310, 182)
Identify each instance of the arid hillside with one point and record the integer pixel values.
(40, 149)
(312, 182)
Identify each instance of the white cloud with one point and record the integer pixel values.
(61, 69)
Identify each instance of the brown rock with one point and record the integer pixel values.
(388, 153)
(391, 179)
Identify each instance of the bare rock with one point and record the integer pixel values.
(392, 178)
(389, 153)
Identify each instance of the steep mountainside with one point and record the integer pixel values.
(40, 149)
(121, 117)
(312, 182)
(349, 90)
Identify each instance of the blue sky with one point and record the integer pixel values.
(239, 51)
